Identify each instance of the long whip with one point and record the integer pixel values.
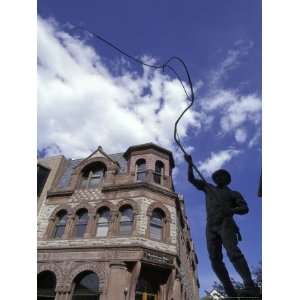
(190, 97)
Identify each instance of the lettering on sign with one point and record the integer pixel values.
(158, 258)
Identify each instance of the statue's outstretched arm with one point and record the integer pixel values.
(199, 184)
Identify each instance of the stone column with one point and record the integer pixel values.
(118, 282)
(62, 293)
(49, 228)
(69, 227)
(63, 296)
(170, 285)
(113, 226)
(177, 288)
(134, 279)
(90, 229)
(149, 176)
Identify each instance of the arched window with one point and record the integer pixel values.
(46, 282)
(159, 171)
(157, 224)
(60, 224)
(92, 175)
(141, 170)
(81, 222)
(86, 286)
(104, 217)
(126, 220)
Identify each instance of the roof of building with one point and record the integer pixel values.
(150, 145)
(73, 163)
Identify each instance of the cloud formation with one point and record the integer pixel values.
(237, 114)
(81, 104)
(217, 160)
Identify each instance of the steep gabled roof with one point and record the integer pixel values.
(97, 153)
(74, 163)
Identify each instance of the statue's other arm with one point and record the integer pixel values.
(241, 207)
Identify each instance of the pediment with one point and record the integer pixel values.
(98, 153)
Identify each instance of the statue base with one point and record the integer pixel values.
(247, 294)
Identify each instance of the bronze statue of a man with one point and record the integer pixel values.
(221, 230)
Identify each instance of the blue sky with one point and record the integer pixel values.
(89, 95)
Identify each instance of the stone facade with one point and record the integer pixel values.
(121, 262)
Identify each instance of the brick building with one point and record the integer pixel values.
(112, 227)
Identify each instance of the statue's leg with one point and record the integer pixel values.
(214, 247)
(230, 243)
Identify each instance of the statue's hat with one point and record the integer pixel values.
(221, 172)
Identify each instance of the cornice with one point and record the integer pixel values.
(138, 185)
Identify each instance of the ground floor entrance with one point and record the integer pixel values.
(151, 283)
(146, 296)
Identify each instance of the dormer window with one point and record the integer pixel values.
(159, 171)
(141, 170)
(92, 175)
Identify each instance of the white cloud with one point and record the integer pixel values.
(231, 61)
(218, 100)
(234, 112)
(255, 139)
(243, 109)
(240, 135)
(217, 160)
(81, 104)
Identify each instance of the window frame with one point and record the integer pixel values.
(140, 162)
(91, 170)
(121, 209)
(77, 280)
(153, 224)
(159, 173)
(101, 209)
(57, 223)
(77, 223)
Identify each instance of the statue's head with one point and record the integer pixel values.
(221, 177)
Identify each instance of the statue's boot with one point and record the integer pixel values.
(241, 266)
(250, 292)
(222, 273)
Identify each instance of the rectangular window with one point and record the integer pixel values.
(80, 230)
(94, 182)
(141, 176)
(125, 227)
(155, 232)
(102, 230)
(59, 231)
